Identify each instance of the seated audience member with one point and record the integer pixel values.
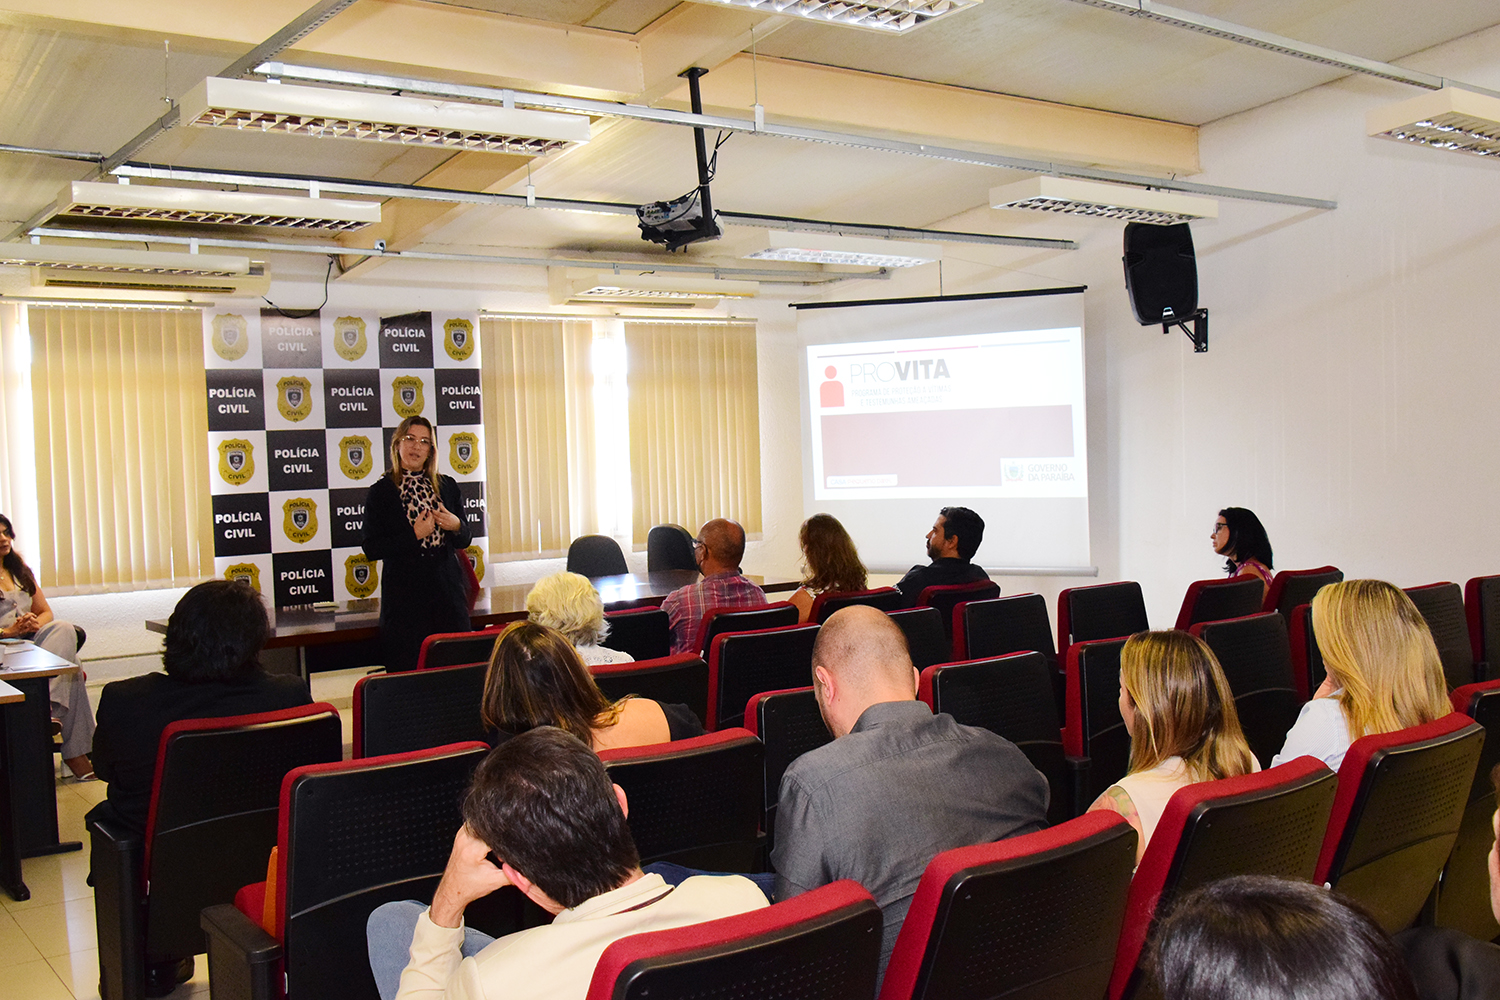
(213, 637)
(1383, 671)
(898, 784)
(569, 603)
(952, 542)
(544, 805)
(719, 547)
(1183, 727)
(1252, 937)
(831, 560)
(536, 679)
(1241, 539)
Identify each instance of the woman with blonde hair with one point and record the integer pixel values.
(831, 561)
(1183, 727)
(1383, 671)
(536, 678)
(569, 603)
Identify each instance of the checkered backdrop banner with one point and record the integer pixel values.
(300, 417)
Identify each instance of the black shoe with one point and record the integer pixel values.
(164, 977)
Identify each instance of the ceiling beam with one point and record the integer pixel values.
(696, 34)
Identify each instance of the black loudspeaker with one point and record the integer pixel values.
(1161, 272)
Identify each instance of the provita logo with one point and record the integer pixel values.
(912, 370)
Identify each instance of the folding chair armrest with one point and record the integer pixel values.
(116, 861)
(244, 961)
(1078, 784)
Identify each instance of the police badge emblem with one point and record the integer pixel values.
(406, 396)
(360, 576)
(231, 337)
(236, 461)
(458, 339)
(245, 573)
(463, 452)
(354, 456)
(349, 337)
(294, 397)
(476, 560)
(299, 519)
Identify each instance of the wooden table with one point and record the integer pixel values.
(28, 800)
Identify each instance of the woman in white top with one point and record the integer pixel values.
(1183, 727)
(569, 603)
(1383, 671)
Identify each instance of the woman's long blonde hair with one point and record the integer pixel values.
(537, 679)
(1183, 707)
(1378, 648)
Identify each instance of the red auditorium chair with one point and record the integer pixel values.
(352, 835)
(925, 640)
(1257, 659)
(721, 621)
(821, 945)
(1103, 611)
(1004, 625)
(1034, 917)
(1482, 609)
(1292, 587)
(1012, 696)
(1463, 898)
(1216, 600)
(1442, 605)
(1308, 671)
(644, 633)
(673, 679)
(743, 664)
(211, 826)
(695, 802)
(884, 598)
(789, 723)
(417, 709)
(1268, 823)
(947, 597)
(1401, 802)
(452, 649)
(1094, 733)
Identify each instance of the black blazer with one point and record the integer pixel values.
(411, 577)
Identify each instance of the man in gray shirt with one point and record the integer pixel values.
(898, 785)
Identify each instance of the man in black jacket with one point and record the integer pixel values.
(952, 542)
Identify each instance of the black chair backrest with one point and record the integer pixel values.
(748, 620)
(946, 598)
(419, 709)
(681, 679)
(743, 664)
(1290, 588)
(1442, 605)
(215, 813)
(1016, 624)
(452, 649)
(1093, 726)
(1106, 611)
(1307, 658)
(885, 598)
(669, 546)
(925, 640)
(596, 555)
(1482, 602)
(1216, 600)
(1463, 897)
(357, 837)
(1012, 696)
(644, 633)
(694, 802)
(1257, 659)
(789, 723)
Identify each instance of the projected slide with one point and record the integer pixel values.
(976, 415)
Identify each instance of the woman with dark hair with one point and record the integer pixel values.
(1241, 539)
(410, 525)
(25, 614)
(536, 678)
(1252, 937)
(830, 559)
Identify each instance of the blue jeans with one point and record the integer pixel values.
(675, 874)
(389, 933)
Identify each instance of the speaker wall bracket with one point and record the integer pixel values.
(1199, 332)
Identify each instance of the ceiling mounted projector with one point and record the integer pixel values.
(1455, 119)
(1067, 196)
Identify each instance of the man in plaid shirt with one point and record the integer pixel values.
(719, 547)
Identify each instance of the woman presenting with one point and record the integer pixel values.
(410, 526)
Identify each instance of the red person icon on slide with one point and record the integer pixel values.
(831, 393)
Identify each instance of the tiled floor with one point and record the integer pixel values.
(47, 943)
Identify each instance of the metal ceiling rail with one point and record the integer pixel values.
(639, 112)
(1203, 24)
(333, 185)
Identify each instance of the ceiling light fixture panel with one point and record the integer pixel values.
(153, 203)
(1451, 118)
(58, 257)
(252, 105)
(892, 16)
(830, 248)
(1068, 196)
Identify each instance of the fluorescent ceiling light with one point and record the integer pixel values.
(353, 114)
(827, 248)
(1446, 119)
(645, 289)
(95, 200)
(142, 262)
(1108, 201)
(881, 15)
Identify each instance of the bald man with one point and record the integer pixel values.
(898, 784)
(719, 547)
